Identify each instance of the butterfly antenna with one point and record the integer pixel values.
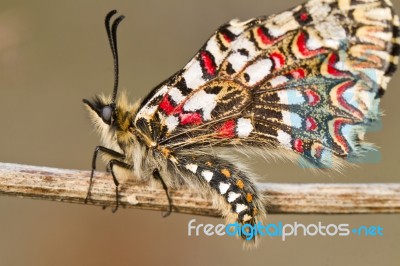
(111, 29)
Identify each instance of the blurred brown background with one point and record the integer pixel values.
(53, 54)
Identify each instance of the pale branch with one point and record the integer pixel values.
(72, 185)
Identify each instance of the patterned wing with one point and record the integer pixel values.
(167, 98)
(307, 80)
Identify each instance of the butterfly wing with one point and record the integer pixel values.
(204, 67)
(307, 80)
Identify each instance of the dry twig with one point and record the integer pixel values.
(71, 186)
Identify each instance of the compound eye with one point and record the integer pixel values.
(106, 114)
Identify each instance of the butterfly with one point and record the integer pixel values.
(305, 83)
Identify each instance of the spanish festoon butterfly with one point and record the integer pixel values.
(305, 83)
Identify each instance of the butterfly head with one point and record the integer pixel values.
(102, 110)
(112, 116)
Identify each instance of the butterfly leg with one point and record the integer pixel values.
(156, 175)
(110, 166)
(94, 159)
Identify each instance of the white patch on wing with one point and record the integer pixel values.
(374, 74)
(191, 167)
(237, 26)
(244, 127)
(193, 75)
(290, 97)
(319, 11)
(148, 110)
(207, 175)
(223, 187)
(348, 131)
(237, 61)
(284, 139)
(350, 96)
(176, 95)
(331, 32)
(379, 14)
(382, 54)
(385, 36)
(232, 196)
(313, 42)
(291, 119)
(172, 122)
(201, 100)
(245, 43)
(326, 157)
(258, 71)
(240, 207)
(278, 81)
(342, 63)
(213, 48)
(281, 24)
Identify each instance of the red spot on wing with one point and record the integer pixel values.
(279, 59)
(227, 130)
(313, 97)
(298, 73)
(264, 38)
(298, 145)
(302, 46)
(332, 70)
(337, 125)
(208, 62)
(226, 37)
(304, 16)
(311, 125)
(343, 102)
(191, 119)
(178, 109)
(166, 105)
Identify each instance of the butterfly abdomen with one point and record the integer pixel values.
(242, 202)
